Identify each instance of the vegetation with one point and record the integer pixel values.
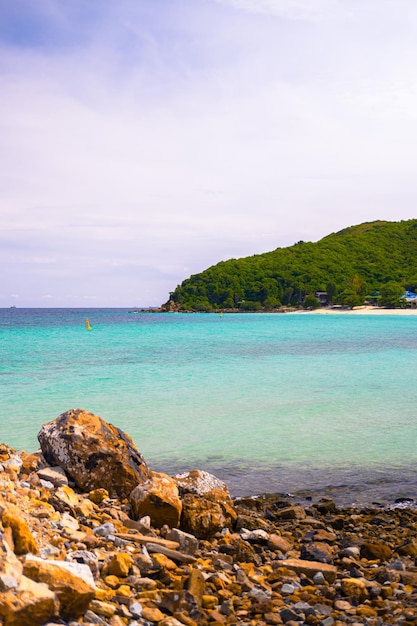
(373, 261)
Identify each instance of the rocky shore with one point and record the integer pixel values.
(89, 534)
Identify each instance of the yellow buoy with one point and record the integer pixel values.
(87, 324)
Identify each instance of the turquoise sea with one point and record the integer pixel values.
(278, 403)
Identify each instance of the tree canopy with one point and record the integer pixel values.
(350, 266)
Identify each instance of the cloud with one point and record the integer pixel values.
(140, 145)
(292, 9)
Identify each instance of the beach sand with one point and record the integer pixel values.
(363, 310)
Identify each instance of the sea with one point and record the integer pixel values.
(297, 405)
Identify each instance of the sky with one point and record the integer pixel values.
(143, 141)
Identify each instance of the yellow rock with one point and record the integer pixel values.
(67, 495)
(32, 603)
(120, 564)
(103, 608)
(163, 561)
(85, 508)
(112, 581)
(209, 602)
(103, 594)
(24, 541)
(73, 592)
(124, 590)
(98, 495)
(366, 611)
(354, 588)
(152, 614)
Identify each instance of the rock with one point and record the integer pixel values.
(196, 585)
(93, 453)
(54, 475)
(120, 564)
(204, 517)
(10, 566)
(200, 483)
(355, 589)
(157, 497)
(310, 568)
(24, 541)
(187, 542)
(31, 603)
(276, 542)
(317, 551)
(375, 551)
(291, 512)
(72, 589)
(152, 614)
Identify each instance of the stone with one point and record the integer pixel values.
(55, 475)
(152, 614)
(278, 543)
(310, 568)
(291, 512)
(204, 517)
(375, 551)
(187, 542)
(98, 495)
(10, 566)
(65, 498)
(317, 551)
(200, 483)
(67, 580)
(31, 603)
(120, 564)
(93, 453)
(87, 558)
(157, 497)
(196, 585)
(354, 588)
(24, 541)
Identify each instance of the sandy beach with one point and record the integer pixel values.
(363, 310)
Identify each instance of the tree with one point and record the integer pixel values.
(331, 291)
(390, 295)
(311, 302)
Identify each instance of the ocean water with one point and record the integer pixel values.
(299, 404)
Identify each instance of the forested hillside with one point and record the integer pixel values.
(370, 261)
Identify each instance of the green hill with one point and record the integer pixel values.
(375, 258)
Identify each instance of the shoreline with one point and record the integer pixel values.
(79, 545)
(362, 310)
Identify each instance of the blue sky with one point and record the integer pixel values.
(145, 140)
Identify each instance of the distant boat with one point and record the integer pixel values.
(87, 324)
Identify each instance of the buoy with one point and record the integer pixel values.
(87, 324)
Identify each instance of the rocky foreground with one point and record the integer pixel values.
(89, 534)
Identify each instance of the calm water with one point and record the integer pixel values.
(270, 403)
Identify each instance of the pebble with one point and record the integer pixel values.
(270, 567)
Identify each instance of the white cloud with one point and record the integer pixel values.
(148, 157)
(293, 9)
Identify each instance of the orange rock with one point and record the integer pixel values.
(152, 614)
(354, 588)
(120, 564)
(93, 453)
(375, 551)
(73, 592)
(157, 497)
(98, 495)
(204, 517)
(309, 568)
(31, 603)
(196, 585)
(22, 536)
